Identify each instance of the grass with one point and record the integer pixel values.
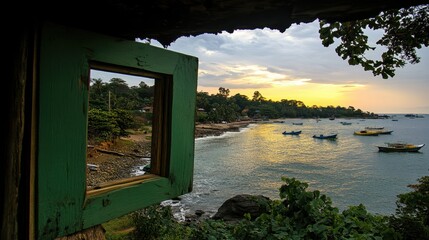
(119, 228)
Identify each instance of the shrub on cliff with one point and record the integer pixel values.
(412, 212)
(303, 214)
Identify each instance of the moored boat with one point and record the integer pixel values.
(366, 133)
(297, 123)
(292, 133)
(346, 123)
(374, 128)
(384, 131)
(321, 136)
(400, 147)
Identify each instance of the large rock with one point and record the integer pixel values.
(234, 208)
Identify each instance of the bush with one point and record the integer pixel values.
(412, 212)
(102, 125)
(300, 214)
(303, 214)
(157, 222)
(108, 125)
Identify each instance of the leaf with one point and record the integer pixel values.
(405, 30)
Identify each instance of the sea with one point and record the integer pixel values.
(350, 170)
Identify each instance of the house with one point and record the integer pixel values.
(39, 203)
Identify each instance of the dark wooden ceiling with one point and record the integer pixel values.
(167, 20)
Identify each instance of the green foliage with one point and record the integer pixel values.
(412, 212)
(405, 30)
(106, 126)
(102, 125)
(303, 214)
(124, 104)
(157, 222)
(222, 112)
(201, 117)
(124, 120)
(299, 214)
(99, 95)
(219, 107)
(211, 230)
(120, 94)
(119, 228)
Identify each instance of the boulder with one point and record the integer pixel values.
(234, 208)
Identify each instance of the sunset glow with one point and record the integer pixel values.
(307, 92)
(294, 65)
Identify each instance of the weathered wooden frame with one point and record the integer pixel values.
(161, 126)
(63, 206)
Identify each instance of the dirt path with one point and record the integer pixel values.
(139, 137)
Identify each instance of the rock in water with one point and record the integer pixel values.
(234, 208)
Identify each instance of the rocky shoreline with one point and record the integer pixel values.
(217, 129)
(111, 161)
(117, 160)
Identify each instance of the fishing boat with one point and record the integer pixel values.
(384, 131)
(292, 133)
(321, 136)
(400, 147)
(374, 128)
(366, 133)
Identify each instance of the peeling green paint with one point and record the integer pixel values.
(65, 54)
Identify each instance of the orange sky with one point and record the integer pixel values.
(294, 65)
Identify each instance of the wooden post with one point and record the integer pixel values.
(14, 185)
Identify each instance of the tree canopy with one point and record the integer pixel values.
(405, 31)
(220, 107)
(114, 107)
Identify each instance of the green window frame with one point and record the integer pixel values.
(63, 204)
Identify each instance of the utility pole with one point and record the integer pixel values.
(109, 100)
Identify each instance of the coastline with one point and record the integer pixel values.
(216, 129)
(118, 159)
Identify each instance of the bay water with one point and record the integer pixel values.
(350, 170)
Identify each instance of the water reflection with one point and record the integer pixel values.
(349, 170)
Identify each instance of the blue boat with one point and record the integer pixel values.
(321, 136)
(292, 133)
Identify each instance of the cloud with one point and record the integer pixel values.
(246, 76)
(296, 53)
(264, 58)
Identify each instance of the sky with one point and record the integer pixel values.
(295, 65)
